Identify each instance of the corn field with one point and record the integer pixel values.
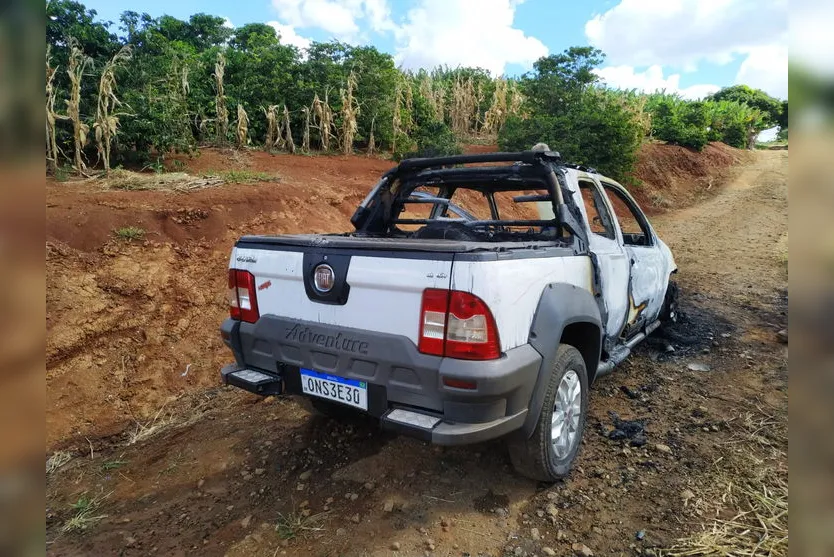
(470, 106)
(152, 94)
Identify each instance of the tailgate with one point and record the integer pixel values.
(378, 291)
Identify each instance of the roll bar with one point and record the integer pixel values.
(528, 157)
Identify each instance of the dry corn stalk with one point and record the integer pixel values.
(350, 110)
(272, 131)
(242, 126)
(107, 121)
(516, 100)
(371, 141)
(479, 97)
(408, 125)
(463, 105)
(427, 92)
(323, 120)
(222, 118)
(51, 116)
(288, 132)
(78, 63)
(280, 142)
(396, 121)
(186, 86)
(496, 114)
(440, 102)
(305, 141)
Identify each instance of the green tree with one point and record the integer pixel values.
(253, 36)
(770, 107)
(782, 121)
(560, 79)
(65, 19)
(586, 123)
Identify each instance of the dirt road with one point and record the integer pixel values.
(232, 475)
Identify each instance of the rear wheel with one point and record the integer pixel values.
(550, 452)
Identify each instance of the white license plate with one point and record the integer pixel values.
(332, 387)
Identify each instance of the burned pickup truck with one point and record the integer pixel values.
(479, 297)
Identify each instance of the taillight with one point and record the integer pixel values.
(470, 329)
(231, 295)
(243, 303)
(457, 325)
(433, 321)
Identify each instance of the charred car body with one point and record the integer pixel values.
(470, 303)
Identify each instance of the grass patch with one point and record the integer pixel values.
(112, 465)
(62, 173)
(758, 524)
(120, 179)
(156, 166)
(747, 495)
(295, 524)
(242, 176)
(86, 513)
(779, 143)
(58, 459)
(129, 233)
(148, 429)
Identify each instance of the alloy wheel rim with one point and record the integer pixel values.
(567, 409)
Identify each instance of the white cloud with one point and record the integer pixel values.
(288, 35)
(331, 15)
(766, 68)
(378, 14)
(683, 33)
(228, 23)
(650, 80)
(341, 18)
(467, 33)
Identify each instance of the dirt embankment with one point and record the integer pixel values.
(133, 324)
(674, 177)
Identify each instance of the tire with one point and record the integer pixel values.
(536, 457)
(669, 310)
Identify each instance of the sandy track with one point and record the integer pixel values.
(229, 467)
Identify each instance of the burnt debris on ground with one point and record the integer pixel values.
(696, 330)
(633, 431)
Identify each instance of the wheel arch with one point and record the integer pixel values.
(566, 314)
(587, 338)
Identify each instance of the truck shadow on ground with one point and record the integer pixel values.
(270, 477)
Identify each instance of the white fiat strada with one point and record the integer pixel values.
(478, 297)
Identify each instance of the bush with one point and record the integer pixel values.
(680, 122)
(433, 139)
(597, 129)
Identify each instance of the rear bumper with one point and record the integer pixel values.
(398, 376)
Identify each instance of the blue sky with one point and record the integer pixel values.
(690, 46)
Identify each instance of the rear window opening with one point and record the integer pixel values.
(475, 212)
